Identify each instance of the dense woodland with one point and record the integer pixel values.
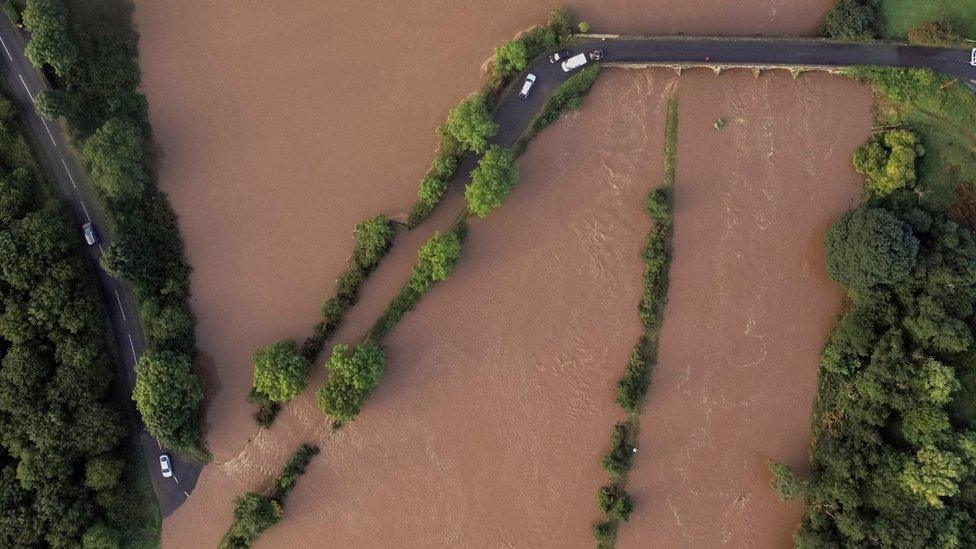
(66, 471)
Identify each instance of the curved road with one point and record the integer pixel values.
(59, 164)
(512, 114)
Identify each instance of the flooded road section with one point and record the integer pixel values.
(749, 305)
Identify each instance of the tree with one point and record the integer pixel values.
(373, 238)
(491, 181)
(103, 472)
(934, 33)
(253, 514)
(658, 204)
(438, 257)
(470, 124)
(280, 371)
(933, 474)
(785, 482)
(50, 42)
(53, 103)
(851, 20)
(352, 378)
(511, 57)
(16, 194)
(100, 536)
(888, 161)
(167, 395)
(870, 246)
(114, 155)
(615, 502)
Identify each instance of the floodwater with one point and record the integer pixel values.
(282, 124)
(749, 305)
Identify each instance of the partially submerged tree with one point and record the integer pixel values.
(491, 181)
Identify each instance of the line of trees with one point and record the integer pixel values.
(894, 421)
(91, 49)
(255, 512)
(65, 479)
(862, 20)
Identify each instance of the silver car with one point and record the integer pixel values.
(90, 237)
(527, 85)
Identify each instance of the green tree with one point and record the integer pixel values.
(511, 57)
(615, 502)
(787, 486)
(114, 156)
(869, 246)
(16, 194)
(51, 42)
(470, 124)
(102, 472)
(438, 258)
(167, 395)
(253, 514)
(888, 161)
(100, 536)
(53, 103)
(280, 371)
(352, 378)
(491, 181)
(851, 20)
(373, 238)
(933, 474)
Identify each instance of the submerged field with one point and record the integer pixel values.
(282, 126)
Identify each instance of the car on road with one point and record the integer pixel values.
(596, 55)
(972, 59)
(89, 231)
(527, 85)
(558, 56)
(574, 62)
(165, 466)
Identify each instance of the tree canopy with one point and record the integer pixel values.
(373, 238)
(869, 246)
(352, 377)
(888, 160)
(280, 371)
(852, 20)
(470, 124)
(115, 159)
(491, 181)
(167, 395)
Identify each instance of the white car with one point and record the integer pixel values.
(972, 59)
(527, 85)
(165, 465)
(89, 231)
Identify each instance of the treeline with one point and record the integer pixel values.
(612, 499)
(281, 369)
(90, 48)
(569, 94)
(255, 512)
(862, 20)
(892, 462)
(69, 474)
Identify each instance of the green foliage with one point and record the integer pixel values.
(280, 371)
(569, 94)
(470, 124)
(352, 377)
(852, 20)
(584, 27)
(900, 16)
(898, 84)
(784, 482)
(52, 103)
(103, 472)
(614, 502)
(870, 246)
(658, 204)
(167, 395)
(253, 514)
(115, 159)
(934, 33)
(491, 181)
(619, 459)
(510, 58)
(295, 468)
(934, 475)
(632, 388)
(605, 533)
(267, 408)
(100, 536)
(50, 42)
(888, 161)
(373, 239)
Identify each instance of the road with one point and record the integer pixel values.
(513, 115)
(59, 163)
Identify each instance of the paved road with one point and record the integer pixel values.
(60, 165)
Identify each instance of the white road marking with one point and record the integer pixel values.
(119, 299)
(176, 479)
(85, 210)
(71, 177)
(29, 94)
(100, 249)
(10, 57)
(160, 445)
(185, 494)
(133, 347)
(49, 134)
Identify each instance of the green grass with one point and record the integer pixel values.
(901, 15)
(670, 141)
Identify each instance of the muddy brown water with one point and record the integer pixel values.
(282, 124)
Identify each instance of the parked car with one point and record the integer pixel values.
(90, 237)
(165, 465)
(527, 85)
(596, 55)
(558, 56)
(574, 62)
(972, 59)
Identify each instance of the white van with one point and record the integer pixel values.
(574, 62)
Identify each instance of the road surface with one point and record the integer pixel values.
(58, 162)
(512, 114)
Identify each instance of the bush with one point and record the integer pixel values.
(267, 408)
(888, 161)
(605, 532)
(870, 246)
(295, 468)
(852, 20)
(934, 33)
(253, 514)
(438, 257)
(621, 455)
(470, 124)
(569, 94)
(491, 181)
(632, 388)
(352, 378)
(584, 27)
(784, 482)
(614, 502)
(373, 239)
(280, 371)
(898, 84)
(659, 204)
(168, 395)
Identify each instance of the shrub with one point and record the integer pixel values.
(373, 239)
(253, 514)
(115, 159)
(614, 502)
(470, 124)
(295, 468)
(934, 33)
(870, 246)
(267, 408)
(510, 58)
(898, 84)
(491, 181)
(852, 20)
(632, 388)
(100, 536)
(280, 371)
(103, 472)
(438, 257)
(784, 482)
(621, 455)
(569, 94)
(167, 395)
(605, 532)
(584, 27)
(659, 204)
(888, 161)
(352, 378)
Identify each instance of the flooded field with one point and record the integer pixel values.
(283, 124)
(749, 305)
